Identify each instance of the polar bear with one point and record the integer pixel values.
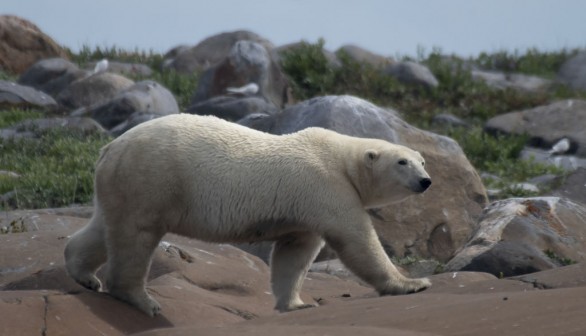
(217, 181)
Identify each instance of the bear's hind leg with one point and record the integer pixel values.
(290, 260)
(86, 252)
(130, 251)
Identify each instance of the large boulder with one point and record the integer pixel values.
(52, 75)
(434, 224)
(546, 125)
(412, 73)
(573, 72)
(146, 97)
(15, 95)
(22, 44)
(362, 55)
(524, 235)
(210, 51)
(247, 62)
(94, 89)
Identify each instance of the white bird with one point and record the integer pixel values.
(101, 66)
(560, 147)
(248, 89)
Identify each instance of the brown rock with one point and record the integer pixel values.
(22, 44)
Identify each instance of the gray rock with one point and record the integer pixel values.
(566, 162)
(52, 75)
(258, 121)
(210, 51)
(16, 95)
(132, 69)
(445, 120)
(94, 89)
(247, 62)
(232, 108)
(519, 82)
(36, 127)
(573, 72)
(412, 73)
(522, 235)
(546, 125)
(148, 97)
(135, 119)
(362, 55)
(437, 222)
(573, 186)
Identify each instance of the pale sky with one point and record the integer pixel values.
(390, 28)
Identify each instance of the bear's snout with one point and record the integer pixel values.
(425, 183)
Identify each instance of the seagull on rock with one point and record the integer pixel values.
(560, 147)
(101, 66)
(246, 90)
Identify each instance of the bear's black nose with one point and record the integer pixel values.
(425, 183)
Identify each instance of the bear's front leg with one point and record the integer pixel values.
(358, 247)
(290, 260)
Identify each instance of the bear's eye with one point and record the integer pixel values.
(423, 163)
(402, 162)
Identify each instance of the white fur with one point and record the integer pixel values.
(216, 181)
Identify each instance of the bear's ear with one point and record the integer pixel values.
(370, 157)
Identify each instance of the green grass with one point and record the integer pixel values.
(9, 117)
(55, 170)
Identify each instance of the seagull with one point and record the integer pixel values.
(560, 147)
(247, 90)
(101, 66)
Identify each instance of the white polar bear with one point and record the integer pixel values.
(216, 181)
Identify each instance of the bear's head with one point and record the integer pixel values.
(395, 173)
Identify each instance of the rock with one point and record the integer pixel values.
(259, 121)
(232, 108)
(546, 125)
(147, 97)
(93, 90)
(448, 121)
(22, 44)
(524, 235)
(195, 282)
(135, 119)
(210, 51)
(362, 55)
(437, 222)
(573, 186)
(519, 82)
(566, 162)
(280, 52)
(52, 75)
(412, 73)
(128, 69)
(34, 128)
(573, 72)
(20, 96)
(458, 302)
(247, 62)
